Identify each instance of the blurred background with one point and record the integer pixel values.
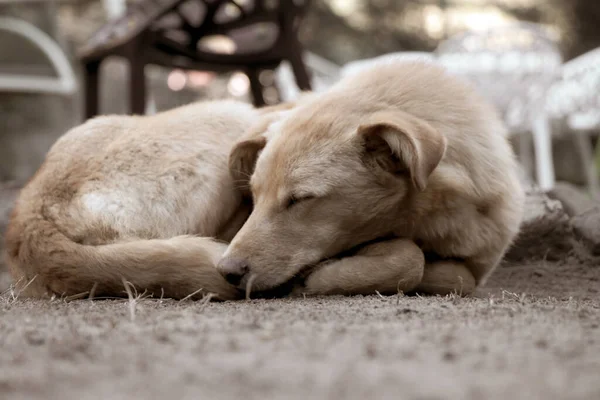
(535, 59)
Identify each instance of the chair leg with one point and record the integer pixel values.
(256, 87)
(137, 85)
(290, 36)
(276, 88)
(586, 155)
(525, 152)
(300, 71)
(151, 105)
(92, 88)
(542, 141)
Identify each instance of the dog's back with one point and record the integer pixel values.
(116, 196)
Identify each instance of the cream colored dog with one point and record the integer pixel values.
(350, 187)
(394, 160)
(135, 199)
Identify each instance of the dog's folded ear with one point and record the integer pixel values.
(402, 143)
(245, 152)
(243, 155)
(242, 160)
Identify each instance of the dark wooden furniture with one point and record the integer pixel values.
(180, 34)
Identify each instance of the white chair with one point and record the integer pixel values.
(575, 99)
(513, 66)
(64, 83)
(353, 67)
(324, 74)
(114, 8)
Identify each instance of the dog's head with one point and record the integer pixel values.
(322, 184)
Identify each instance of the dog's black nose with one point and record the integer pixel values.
(233, 269)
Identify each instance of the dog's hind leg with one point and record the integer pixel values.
(386, 267)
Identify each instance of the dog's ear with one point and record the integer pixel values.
(243, 155)
(401, 143)
(242, 160)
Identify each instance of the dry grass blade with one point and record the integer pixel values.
(77, 296)
(93, 291)
(205, 300)
(249, 286)
(130, 289)
(11, 289)
(26, 286)
(189, 296)
(15, 291)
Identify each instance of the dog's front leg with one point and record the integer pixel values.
(386, 267)
(445, 277)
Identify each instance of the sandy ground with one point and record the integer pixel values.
(533, 333)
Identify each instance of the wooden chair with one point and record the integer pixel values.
(254, 35)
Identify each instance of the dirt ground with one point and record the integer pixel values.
(533, 333)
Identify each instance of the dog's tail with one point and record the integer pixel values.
(44, 261)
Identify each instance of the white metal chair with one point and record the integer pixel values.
(114, 8)
(353, 67)
(64, 83)
(575, 99)
(324, 73)
(513, 66)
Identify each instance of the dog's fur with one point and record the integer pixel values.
(133, 198)
(400, 155)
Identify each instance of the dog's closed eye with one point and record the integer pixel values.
(293, 200)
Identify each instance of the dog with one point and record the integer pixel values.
(144, 200)
(398, 178)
